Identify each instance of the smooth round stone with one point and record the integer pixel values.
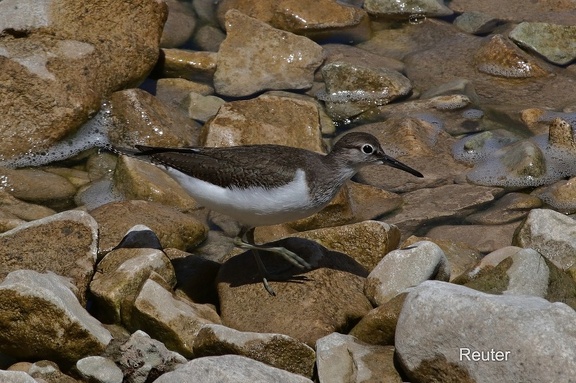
(554, 42)
(99, 369)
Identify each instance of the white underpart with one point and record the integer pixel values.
(255, 206)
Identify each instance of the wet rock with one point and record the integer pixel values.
(482, 238)
(51, 322)
(190, 65)
(476, 23)
(405, 268)
(64, 65)
(16, 377)
(173, 320)
(307, 306)
(352, 89)
(561, 195)
(139, 180)
(323, 20)
(276, 350)
(425, 205)
(379, 325)
(266, 119)
(551, 233)
(143, 359)
(140, 118)
(99, 369)
(429, 8)
(343, 358)
(499, 57)
(255, 57)
(532, 340)
(66, 242)
(217, 369)
(22, 210)
(511, 207)
(554, 42)
(49, 372)
(120, 275)
(477, 147)
(202, 108)
(358, 58)
(560, 134)
(173, 228)
(174, 91)
(179, 26)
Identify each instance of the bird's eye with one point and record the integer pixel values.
(367, 149)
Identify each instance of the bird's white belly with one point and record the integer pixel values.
(255, 206)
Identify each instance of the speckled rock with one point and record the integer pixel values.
(554, 42)
(255, 57)
(61, 66)
(267, 119)
(561, 195)
(520, 338)
(174, 228)
(67, 242)
(191, 65)
(229, 369)
(405, 268)
(276, 350)
(343, 358)
(51, 322)
(99, 369)
(307, 306)
(429, 8)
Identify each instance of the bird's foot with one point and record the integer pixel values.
(290, 256)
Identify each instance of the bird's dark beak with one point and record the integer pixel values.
(387, 160)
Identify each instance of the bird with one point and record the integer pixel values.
(260, 185)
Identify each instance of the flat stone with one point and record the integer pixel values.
(23, 210)
(174, 91)
(532, 340)
(217, 369)
(16, 377)
(51, 322)
(554, 42)
(307, 306)
(173, 320)
(255, 57)
(173, 228)
(476, 23)
(37, 186)
(405, 268)
(429, 8)
(359, 58)
(100, 369)
(561, 195)
(190, 65)
(276, 350)
(64, 243)
(202, 108)
(482, 238)
(511, 207)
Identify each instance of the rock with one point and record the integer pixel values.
(275, 350)
(99, 369)
(405, 268)
(352, 89)
(511, 207)
(428, 8)
(179, 26)
(191, 65)
(561, 195)
(49, 372)
(323, 20)
(477, 147)
(358, 58)
(550, 233)
(482, 238)
(379, 325)
(22, 210)
(66, 241)
(120, 275)
(343, 358)
(140, 118)
(51, 322)
(560, 135)
(499, 57)
(143, 359)
(209, 38)
(554, 42)
(60, 66)
(173, 320)
(267, 119)
(255, 57)
(202, 108)
(307, 306)
(520, 338)
(174, 91)
(140, 180)
(173, 228)
(16, 377)
(229, 369)
(476, 23)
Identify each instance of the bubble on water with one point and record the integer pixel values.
(416, 18)
(477, 147)
(344, 96)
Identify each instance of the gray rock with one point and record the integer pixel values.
(482, 238)
(51, 324)
(97, 369)
(202, 108)
(554, 42)
(551, 233)
(67, 243)
(229, 369)
(476, 23)
(16, 377)
(511, 207)
(345, 359)
(465, 335)
(143, 359)
(430, 8)
(402, 269)
(45, 371)
(255, 56)
(179, 25)
(276, 350)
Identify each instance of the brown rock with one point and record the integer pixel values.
(484, 238)
(190, 65)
